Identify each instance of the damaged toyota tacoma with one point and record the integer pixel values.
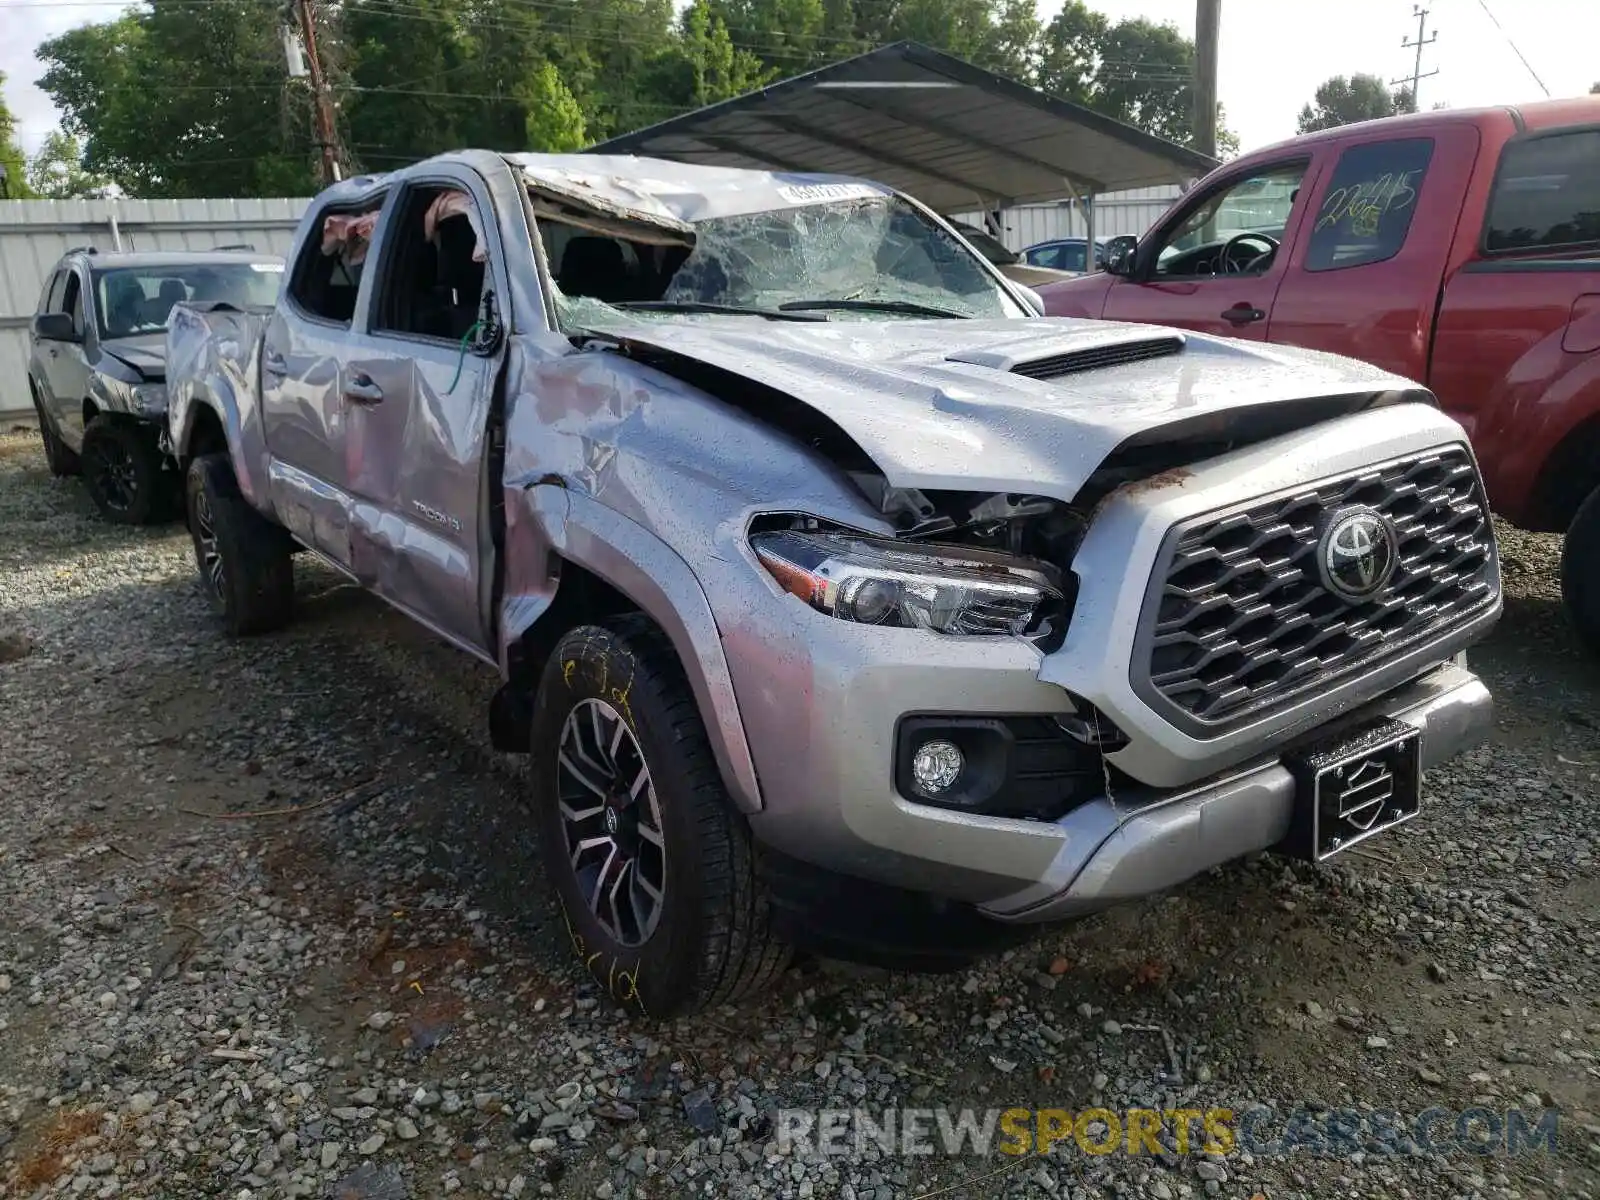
(840, 599)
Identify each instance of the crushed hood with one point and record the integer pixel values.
(939, 404)
(145, 354)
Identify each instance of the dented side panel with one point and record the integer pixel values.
(635, 475)
(213, 365)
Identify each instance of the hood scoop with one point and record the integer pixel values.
(1071, 361)
(1056, 365)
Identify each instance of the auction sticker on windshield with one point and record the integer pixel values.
(267, 268)
(827, 193)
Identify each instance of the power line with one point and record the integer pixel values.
(1483, 4)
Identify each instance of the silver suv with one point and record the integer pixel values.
(839, 598)
(96, 364)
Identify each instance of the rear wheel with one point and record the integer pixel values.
(60, 460)
(245, 561)
(1580, 572)
(656, 871)
(124, 473)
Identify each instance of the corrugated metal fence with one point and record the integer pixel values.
(35, 233)
(1115, 213)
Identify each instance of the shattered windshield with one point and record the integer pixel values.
(866, 257)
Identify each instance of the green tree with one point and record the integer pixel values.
(786, 34)
(401, 61)
(622, 59)
(1136, 71)
(1069, 53)
(554, 120)
(57, 172)
(14, 163)
(1146, 77)
(184, 100)
(997, 34)
(1345, 100)
(719, 69)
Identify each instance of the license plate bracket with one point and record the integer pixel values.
(1353, 787)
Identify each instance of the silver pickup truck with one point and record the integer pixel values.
(840, 599)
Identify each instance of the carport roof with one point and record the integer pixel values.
(954, 135)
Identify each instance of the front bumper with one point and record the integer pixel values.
(819, 700)
(1116, 849)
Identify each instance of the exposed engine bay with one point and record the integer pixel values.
(1035, 527)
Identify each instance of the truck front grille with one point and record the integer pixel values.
(1242, 623)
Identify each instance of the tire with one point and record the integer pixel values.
(61, 461)
(124, 473)
(1580, 572)
(709, 941)
(245, 561)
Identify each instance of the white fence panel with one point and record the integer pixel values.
(34, 234)
(1115, 213)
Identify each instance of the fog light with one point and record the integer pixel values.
(936, 766)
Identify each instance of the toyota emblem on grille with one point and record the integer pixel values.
(1357, 554)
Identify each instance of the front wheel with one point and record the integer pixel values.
(123, 471)
(656, 872)
(1580, 572)
(245, 561)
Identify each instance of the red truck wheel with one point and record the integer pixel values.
(1580, 572)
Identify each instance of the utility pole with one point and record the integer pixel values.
(322, 102)
(1207, 29)
(1416, 72)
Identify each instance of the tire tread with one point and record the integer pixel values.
(740, 953)
(257, 559)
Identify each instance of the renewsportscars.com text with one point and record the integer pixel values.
(914, 1132)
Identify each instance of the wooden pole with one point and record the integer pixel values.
(1207, 29)
(319, 94)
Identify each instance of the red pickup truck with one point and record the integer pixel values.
(1460, 249)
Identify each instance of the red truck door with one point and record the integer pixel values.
(1516, 356)
(1215, 265)
(1364, 278)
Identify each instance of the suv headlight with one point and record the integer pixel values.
(150, 398)
(877, 581)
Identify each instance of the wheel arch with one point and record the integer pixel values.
(203, 420)
(592, 562)
(1569, 474)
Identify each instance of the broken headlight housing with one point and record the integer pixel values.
(149, 399)
(909, 585)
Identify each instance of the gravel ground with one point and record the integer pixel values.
(272, 926)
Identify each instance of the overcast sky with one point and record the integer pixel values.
(1268, 69)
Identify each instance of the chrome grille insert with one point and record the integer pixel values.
(1240, 622)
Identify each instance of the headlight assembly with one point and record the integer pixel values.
(878, 581)
(150, 398)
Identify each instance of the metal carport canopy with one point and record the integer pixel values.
(957, 137)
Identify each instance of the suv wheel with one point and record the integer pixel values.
(1580, 572)
(245, 562)
(123, 472)
(60, 460)
(656, 871)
